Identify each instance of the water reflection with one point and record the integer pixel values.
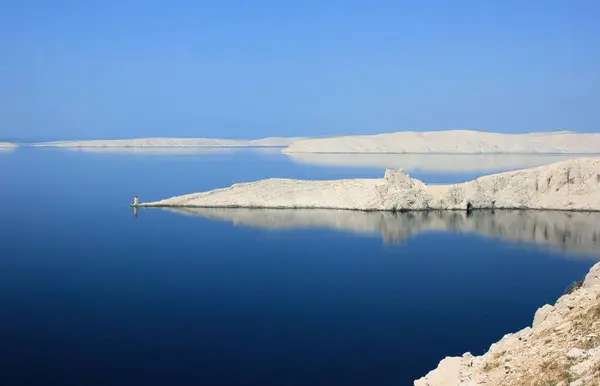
(557, 231)
(434, 162)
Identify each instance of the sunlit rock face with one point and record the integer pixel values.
(569, 185)
(560, 348)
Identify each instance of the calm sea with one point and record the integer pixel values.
(92, 294)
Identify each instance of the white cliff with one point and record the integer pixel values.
(568, 185)
(573, 233)
(172, 142)
(562, 347)
(452, 141)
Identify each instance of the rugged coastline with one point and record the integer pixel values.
(569, 185)
(562, 347)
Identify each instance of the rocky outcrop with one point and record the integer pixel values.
(568, 185)
(561, 348)
(573, 233)
(453, 141)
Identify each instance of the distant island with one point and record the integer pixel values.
(452, 141)
(172, 143)
(568, 185)
(431, 142)
(7, 145)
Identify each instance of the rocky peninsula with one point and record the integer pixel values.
(569, 185)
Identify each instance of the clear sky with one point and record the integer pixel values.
(233, 68)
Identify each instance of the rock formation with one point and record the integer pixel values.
(562, 347)
(569, 185)
(452, 141)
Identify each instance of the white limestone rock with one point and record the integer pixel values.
(561, 346)
(446, 374)
(453, 141)
(575, 353)
(171, 142)
(592, 279)
(569, 185)
(541, 314)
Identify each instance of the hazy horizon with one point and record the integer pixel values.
(133, 69)
(37, 140)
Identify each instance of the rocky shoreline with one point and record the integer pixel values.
(568, 185)
(562, 347)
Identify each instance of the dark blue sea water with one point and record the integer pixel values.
(92, 295)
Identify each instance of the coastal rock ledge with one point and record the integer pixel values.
(569, 185)
(562, 347)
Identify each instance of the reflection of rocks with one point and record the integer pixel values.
(568, 232)
(447, 163)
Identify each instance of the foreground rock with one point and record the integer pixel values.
(452, 141)
(572, 233)
(569, 185)
(561, 348)
(172, 142)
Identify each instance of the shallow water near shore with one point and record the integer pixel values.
(93, 294)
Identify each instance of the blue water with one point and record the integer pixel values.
(92, 295)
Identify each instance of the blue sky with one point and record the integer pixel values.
(247, 69)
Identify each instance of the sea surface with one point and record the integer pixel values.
(92, 293)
